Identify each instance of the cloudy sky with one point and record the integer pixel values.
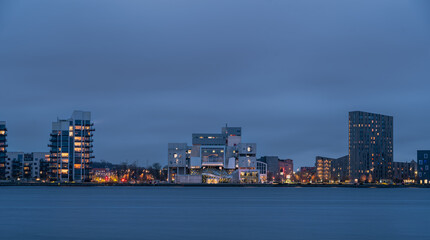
(153, 72)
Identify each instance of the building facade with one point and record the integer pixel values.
(3, 150)
(262, 171)
(340, 169)
(423, 157)
(331, 169)
(278, 170)
(307, 174)
(216, 157)
(22, 166)
(370, 147)
(404, 172)
(71, 145)
(323, 168)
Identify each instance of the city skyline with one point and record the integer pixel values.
(288, 77)
(298, 163)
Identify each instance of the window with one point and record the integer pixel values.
(426, 156)
(420, 162)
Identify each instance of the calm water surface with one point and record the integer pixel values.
(213, 213)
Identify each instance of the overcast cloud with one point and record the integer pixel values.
(153, 72)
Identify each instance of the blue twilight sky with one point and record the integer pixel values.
(155, 71)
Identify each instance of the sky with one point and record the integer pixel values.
(153, 72)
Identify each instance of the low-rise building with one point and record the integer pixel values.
(331, 169)
(278, 170)
(340, 170)
(323, 168)
(404, 171)
(262, 171)
(307, 174)
(22, 166)
(423, 157)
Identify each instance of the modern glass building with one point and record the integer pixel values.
(370, 147)
(3, 151)
(71, 148)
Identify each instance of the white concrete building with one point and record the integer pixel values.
(216, 157)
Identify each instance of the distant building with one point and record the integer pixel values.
(217, 157)
(14, 163)
(307, 174)
(331, 169)
(262, 171)
(278, 170)
(3, 150)
(323, 168)
(22, 166)
(71, 145)
(340, 169)
(404, 171)
(101, 175)
(370, 146)
(423, 157)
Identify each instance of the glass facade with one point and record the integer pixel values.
(213, 156)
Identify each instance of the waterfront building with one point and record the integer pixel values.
(22, 166)
(3, 150)
(71, 145)
(340, 169)
(370, 147)
(423, 157)
(323, 168)
(331, 169)
(278, 170)
(104, 175)
(262, 171)
(214, 158)
(307, 174)
(404, 172)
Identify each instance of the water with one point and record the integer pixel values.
(213, 213)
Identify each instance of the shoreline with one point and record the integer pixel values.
(8, 184)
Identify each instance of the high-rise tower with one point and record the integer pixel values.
(71, 146)
(370, 146)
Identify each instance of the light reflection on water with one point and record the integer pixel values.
(213, 213)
